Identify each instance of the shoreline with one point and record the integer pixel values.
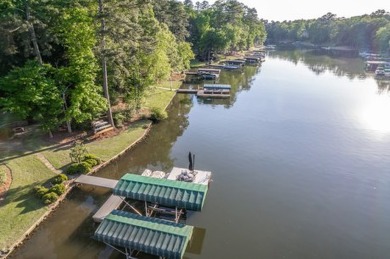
(71, 185)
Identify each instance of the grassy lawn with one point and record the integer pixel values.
(20, 210)
(160, 98)
(104, 149)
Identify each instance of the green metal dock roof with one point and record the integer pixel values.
(164, 192)
(217, 86)
(149, 235)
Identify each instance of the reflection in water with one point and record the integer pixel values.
(240, 80)
(383, 86)
(375, 114)
(319, 62)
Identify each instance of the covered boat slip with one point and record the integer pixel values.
(215, 91)
(146, 234)
(165, 192)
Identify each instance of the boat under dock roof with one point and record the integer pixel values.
(146, 234)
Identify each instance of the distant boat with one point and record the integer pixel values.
(209, 73)
(380, 71)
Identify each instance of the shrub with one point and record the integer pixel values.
(118, 119)
(40, 190)
(50, 197)
(58, 189)
(77, 152)
(91, 162)
(81, 168)
(158, 114)
(92, 156)
(73, 169)
(59, 179)
(84, 168)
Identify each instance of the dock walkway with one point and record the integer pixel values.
(112, 203)
(96, 181)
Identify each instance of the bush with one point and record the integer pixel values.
(81, 168)
(91, 156)
(58, 189)
(40, 190)
(84, 168)
(91, 162)
(50, 197)
(158, 114)
(118, 119)
(73, 169)
(59, 179)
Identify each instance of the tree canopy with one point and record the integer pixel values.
(365, 32)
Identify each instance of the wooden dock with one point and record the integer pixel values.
(112, 203)
(187, 91)
(209, 94)
(192, 73)
(96, 181)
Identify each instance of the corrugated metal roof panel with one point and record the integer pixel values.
(165, 192)
(150, 235)
(216, 86)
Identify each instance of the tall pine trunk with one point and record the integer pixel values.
(104, 65)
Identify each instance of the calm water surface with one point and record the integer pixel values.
(300, 157)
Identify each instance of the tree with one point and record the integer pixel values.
(77, 152)
(83, 100)
(31, 92)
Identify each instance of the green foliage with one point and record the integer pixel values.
(31, 92)
(119, 119)
(49, 198)
(224, 26)
(76, 29)
(78, 152)
(58, 189)
(92, 157)
(158, 114)
(91, 162)
(82, 168)
(85, 168)
(59, 179)
(40, 190)
(369, 32)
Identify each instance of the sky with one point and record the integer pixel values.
(280, 10)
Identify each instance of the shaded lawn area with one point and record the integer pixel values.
(21, 209)
(104, 149)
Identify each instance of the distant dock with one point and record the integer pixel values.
(209, 91)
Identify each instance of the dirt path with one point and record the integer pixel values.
(47, 163)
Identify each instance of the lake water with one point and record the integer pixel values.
(300, 157)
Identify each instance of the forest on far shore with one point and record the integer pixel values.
(369, 32)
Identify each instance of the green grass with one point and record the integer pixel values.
(196, 63)
(160, 98)
(109, 147)
(21, 209)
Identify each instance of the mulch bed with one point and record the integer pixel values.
(5, 186)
